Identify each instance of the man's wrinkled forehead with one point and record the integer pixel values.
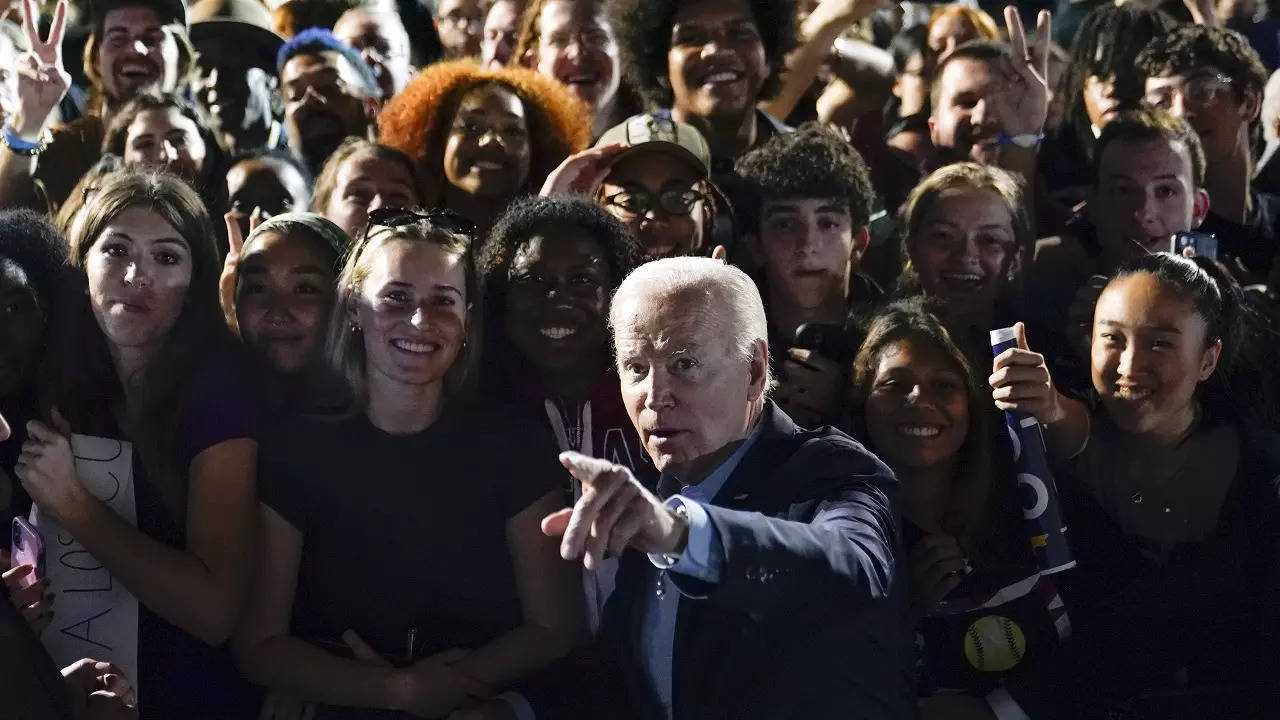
(663, 317)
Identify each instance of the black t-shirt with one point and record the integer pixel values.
(1256, 241)
(405, 536)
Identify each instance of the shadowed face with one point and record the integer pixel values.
(21, 325)
(560, 282)
(284, 293)
(917, 411)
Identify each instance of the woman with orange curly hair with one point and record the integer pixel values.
(491, 134)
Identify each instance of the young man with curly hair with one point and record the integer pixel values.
(710, 62)
(1213, 79)
(813, 199)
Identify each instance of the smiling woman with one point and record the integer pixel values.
(966, 234)
(492, 134)
(450, 493)
(550, 266)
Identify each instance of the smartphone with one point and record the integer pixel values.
(826, 339)
(27, 548)
(1202, 244)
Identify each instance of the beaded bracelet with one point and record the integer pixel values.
(20, 146)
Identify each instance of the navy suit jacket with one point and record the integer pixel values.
(809, 618)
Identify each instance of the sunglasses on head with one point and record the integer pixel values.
(439, 218)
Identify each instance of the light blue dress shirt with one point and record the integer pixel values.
(702, 558)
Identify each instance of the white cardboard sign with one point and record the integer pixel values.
(95, 616)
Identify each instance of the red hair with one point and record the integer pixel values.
(417, 120)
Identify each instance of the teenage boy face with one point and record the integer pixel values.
(1144, 193)
(716, 63)
(1210, 104)
(809, 246)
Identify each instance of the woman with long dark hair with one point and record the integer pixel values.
(151, 362)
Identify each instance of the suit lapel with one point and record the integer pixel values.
(746, 489)
(752, 475)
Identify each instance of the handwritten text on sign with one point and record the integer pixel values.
(96, 616)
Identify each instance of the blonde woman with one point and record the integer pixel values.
(402, 566)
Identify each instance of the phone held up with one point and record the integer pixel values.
(1202, 244)
(826, 339)
(27, 548)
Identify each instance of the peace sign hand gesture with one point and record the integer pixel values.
(1024, 103)
(42, 80)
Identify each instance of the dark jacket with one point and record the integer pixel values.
(809, 619)
(1208, 617)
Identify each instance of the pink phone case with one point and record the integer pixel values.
(27, 549)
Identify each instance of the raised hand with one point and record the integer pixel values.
(42, 79)
(809, 389)
(1020, 382)
(231, 265)
(1023, 103)
(581, 174)
(615, 512)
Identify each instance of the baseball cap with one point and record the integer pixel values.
(234, 22)
(170, 12)
(655, 132)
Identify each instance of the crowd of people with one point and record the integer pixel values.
(509, 359)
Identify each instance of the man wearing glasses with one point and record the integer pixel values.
(136, 45)
(460, 24)
(1213, 79)
(656, 180)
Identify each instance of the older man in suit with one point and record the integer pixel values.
(769, 577)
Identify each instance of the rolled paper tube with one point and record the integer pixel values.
(1044, 525)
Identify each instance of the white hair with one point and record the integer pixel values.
(1271, 108)
(726, 288)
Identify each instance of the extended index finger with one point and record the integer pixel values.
(584, 468)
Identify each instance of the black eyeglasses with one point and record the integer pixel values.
(440, 218)
(637, 201)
